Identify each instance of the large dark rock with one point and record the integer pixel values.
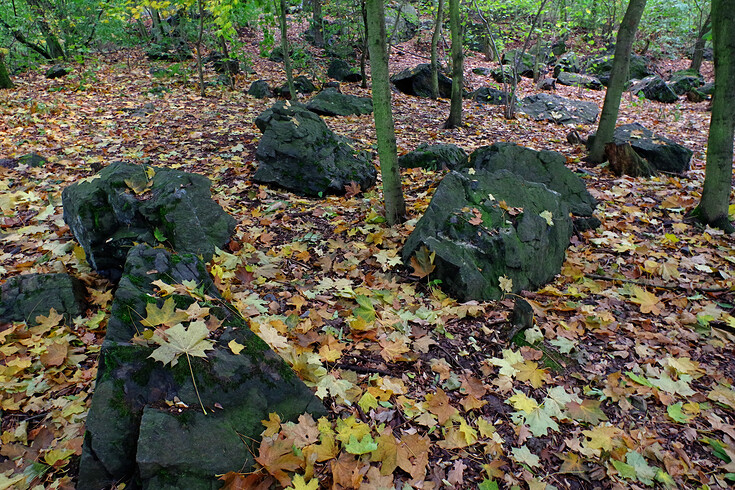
(545, 167)
(134, 433)
(663, 154)
(340, 70)
(525, 62)
(579, 80)
(331, 102)
(223, 64)
(23, 298)
(490, 95)
(260, 90)
(417, 81)
(301, 84)
(434, 157)
(654, 88)
(126, 204)
(522, 236)
(57, 71)
(601, 67)
(569, 62)
(401, 22)
(168, 51)
(557, 109)
(504, 74)
(299, 152)
(683, 81)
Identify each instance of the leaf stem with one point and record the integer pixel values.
(196, 390)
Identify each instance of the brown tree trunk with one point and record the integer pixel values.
(698, 53)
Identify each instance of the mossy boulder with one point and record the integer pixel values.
(683, 81)
(401, 22)
(579, 80)
(416, 81)
(127, 203)
(24, 297)
(341, 71)
(601, 67)
(434, 157)
(299, 152)
(136, 434)
(260, 90)
(654, 88)
(560, 110)
(491, 225)
(490, 95)
(331, 102)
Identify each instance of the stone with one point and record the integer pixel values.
(300, 153)
(490, 95)
(654, 88)
(485, 72)
(434, 157)
(24, 297)
(223, 64)
(579, 80)
(545, 167)
(546, 84)
(134, 436)
(504, 71)
(407, 24)
(331, 102)
(260, 90)
(525, 62)
(340, 70)
(569, 62)
(601, 67)
(684, 81)
(126, 203)
(57, 71)
(523, 240)
(169, 51)
(417, 82)
(301, 84)
(32, 160)
(664, 154)
(560, 110)
(708, 88)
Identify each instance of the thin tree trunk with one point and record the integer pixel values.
(18, 36)
(434, 48)
(455, 108)
(200, 69)
(618, 78)
(318, 23)
(5, 81)
(365, 49)
(286, 53)
(713, 207)
(493, 44)
(698, 53)
(53, 46)
(395, 206)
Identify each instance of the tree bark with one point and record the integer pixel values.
(365, 48)
(713, 207)
(698, 53)
(200, 68)
(318, 23)
(434, 50)
(53, 46)
(455, 108)
(286, 53)
(5, 81)
(618, 78)
(395, 206)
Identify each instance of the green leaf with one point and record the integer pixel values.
(159, 235)
(488, 485)
(718, 448)
(644, 472)
(524, 455)
(625, 470)
(363, 446)
(366, 310)
(677, 415)
(178, 340)
(665, 478)
(639, 379)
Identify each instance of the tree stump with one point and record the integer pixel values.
(625, 161)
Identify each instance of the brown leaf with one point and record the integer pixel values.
(352, 189)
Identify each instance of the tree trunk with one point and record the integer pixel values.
(200, 69)
(5, 81)
(395, 206)
(318, 23)
(364, 50)
(53, 46)
(455, 108)
(434, 48)
(286, 53)
(713, 207)
(698, 53)
(618, 78)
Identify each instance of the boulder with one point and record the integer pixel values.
(683, 81)
(481, 70)
(663, 154)
(126, 204)
(545, 167)
(417, 81)
(401, 22)
(569, 62)
(24, 297)
(579, 80)
(340, 70)
(260, 90)
(331, 102)
(135, 432)
(708, 88)
(525, 62)
(560, 110)
(434, 157)
(32, 160)
(301, 84)
(546, 84)
(490, 95)
(57, 71)
(299, 152)
(504, 71)
(654, 88)
(223, 64)
(601, 67)
(488, 226)
(169, 51)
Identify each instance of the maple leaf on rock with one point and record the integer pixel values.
(167, 315)
(178, 340)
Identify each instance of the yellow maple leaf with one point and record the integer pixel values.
(601, 437)
(648, 302)
(521, 401)
(167, 315)
(529, 371)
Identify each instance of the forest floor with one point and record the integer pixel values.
(435, 395)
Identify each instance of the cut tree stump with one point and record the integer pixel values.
(625, 161)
